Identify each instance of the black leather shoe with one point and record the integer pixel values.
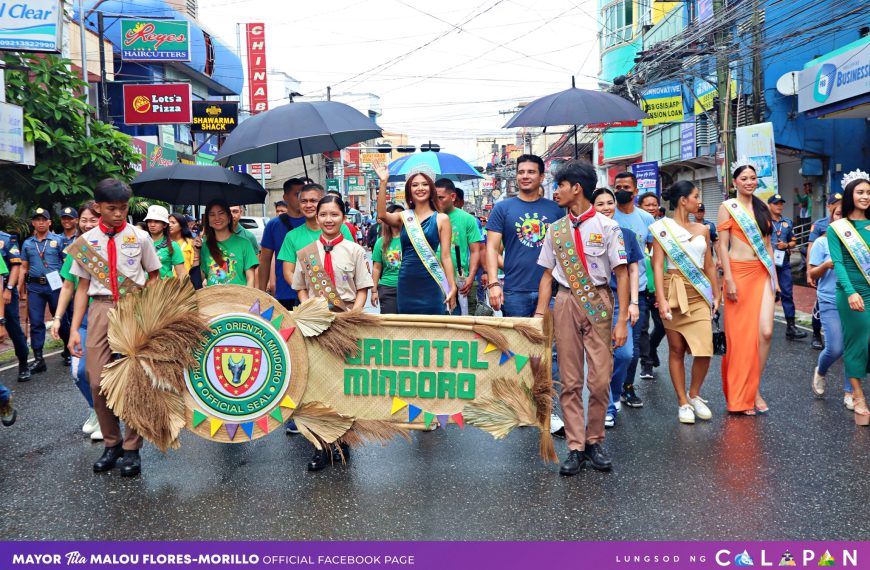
(342, 456)
(597, 458)
(319, 461)
(110, 457)
(67, 360)
(38, 364)
(817, 342)
(131, 464)
(23, 371)
(573, 464)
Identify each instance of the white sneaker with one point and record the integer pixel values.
(618, 405)
(699, 407)
(609, 421)
(97, 435)
(557, 426)
(687, 415)
(848, 402)
(91, 424)
(818, 383)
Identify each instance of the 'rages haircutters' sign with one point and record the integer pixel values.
(157, 104)
(155, 40)
(214, 117)
(258, 90)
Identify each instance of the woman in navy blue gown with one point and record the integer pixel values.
(426, 283)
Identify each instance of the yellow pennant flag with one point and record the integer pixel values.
(490, 347)
(287, 402)
(398, 404)
(215, 425)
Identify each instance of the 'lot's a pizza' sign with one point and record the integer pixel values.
(157, 104)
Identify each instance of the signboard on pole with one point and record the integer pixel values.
(11, 133)
(647, 174)
(34, 25)
(332, 184)
(214, 117)
(663, 104)
(372, 157)
(755, 142)
(155, 40)
(157, 104)
(843, 76)
(687, 141)
(258, 90)
(256, 170)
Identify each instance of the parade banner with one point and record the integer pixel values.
(157, 104)
(214, 117)
(230, 364)
(663, 104)
(756, 143)
(35, 25)
(155, 40)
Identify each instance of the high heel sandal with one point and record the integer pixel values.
(862, 414)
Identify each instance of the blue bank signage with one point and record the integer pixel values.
(34, 25)
(837, 78)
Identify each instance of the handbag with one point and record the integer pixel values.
(719, 343)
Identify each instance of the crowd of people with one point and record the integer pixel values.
(604, 261)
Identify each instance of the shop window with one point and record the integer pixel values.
(618, 19)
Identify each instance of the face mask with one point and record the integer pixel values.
(624, 197)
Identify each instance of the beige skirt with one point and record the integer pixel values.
(691, 314)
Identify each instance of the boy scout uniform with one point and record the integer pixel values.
(136, 257)
(582, 318)
(349, 265)
(43, 256)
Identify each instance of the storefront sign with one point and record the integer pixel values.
(258, 90)
(255, 170)
(756, 143)
(332, 184)
(34, 25)
(155, 40)
(152, 155)
(687, 141)
(647, 174)
(705, 10)
(158, 104)
(372, 157)
(214, 117)
(836, 78)
(11, 133)
(663, 104)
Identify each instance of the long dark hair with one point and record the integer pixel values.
(848, 205)
(677, 190)
(432, 203)
(165, 237)
(759, 208)
(186, 234)
(210, 238)
(387, 229)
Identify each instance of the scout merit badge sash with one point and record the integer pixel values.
(752, 232)
(590, 300)
(96, 265)
(309, 257)
(856, 245)
(664, 234)
(424, 250)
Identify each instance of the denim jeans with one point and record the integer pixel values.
(833, 350)
(519, 303)
(622, 358)
(650, 341)
(80, 376)
(5, 393)
(639, 326)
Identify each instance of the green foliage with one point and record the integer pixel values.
(68, 163)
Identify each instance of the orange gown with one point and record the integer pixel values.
(741, 372)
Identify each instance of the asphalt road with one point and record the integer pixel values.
(797, 473)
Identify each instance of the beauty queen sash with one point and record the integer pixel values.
(664, 234)
(752, 232)
(596, 305)
(309, 257)
(424, 250)
(856, 245)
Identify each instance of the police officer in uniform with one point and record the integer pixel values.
(12, 256)
(41, 260)
(783, 242)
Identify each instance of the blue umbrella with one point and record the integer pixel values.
(441, 163)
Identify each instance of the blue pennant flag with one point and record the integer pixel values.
(413, 412)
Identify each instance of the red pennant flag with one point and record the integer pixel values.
(285, 333)
(457, 417)
(263, 424)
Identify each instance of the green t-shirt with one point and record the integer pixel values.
(66, 273)
(168, 261)
(3, 269)
(390, 262)
(465, 232)
(246, 233)
(239, 256)
(300, 237)
(650, 280)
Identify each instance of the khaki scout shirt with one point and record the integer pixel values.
(136, 256)
(602, 244)
(350, 267)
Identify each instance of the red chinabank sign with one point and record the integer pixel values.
(159, 104)
(258, 92)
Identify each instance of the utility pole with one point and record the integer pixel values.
(723, 88)
(84, 54)
(103, 98)
(757, 70)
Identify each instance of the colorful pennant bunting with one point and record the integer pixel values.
(248, 428)
(413, 412)
(286, 333)
(520, 361)
(287, 402)
(267, 314)
(489, 348)
(276, 322)
(198, 417)
(255, 308)
(215, 425)
(505, 356)
(231, 430)
(427, 419)
(460, 421)
(263, 424)
(398, 404)
(442, 420)
(276, 413)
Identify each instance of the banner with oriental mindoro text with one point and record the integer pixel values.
(230, 364)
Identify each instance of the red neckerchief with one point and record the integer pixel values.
(576, 223)
(113, 255)
(327, 259)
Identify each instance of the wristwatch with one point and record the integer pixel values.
(2, 322)
(10, 287)
(635, 302)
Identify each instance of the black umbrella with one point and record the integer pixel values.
(294, 130)
(576, 107)
(198, 184)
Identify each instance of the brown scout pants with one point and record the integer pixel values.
(576, 335)
(97, 355)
